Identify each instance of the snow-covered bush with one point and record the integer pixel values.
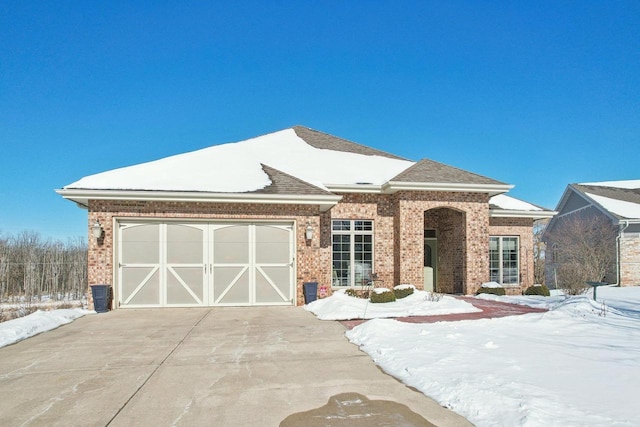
(403, 291)
(537, 290)
(484, 289)
(381, 295)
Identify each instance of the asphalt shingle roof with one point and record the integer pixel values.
(431, 171)
(282, 183)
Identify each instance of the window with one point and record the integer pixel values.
(352, 253)
(503, 260)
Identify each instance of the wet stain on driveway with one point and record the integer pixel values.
(356, 410)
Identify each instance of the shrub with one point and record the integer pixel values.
(433, 297)
(403, 291)
(351, 292)
(492, 291)
(381, 297)
(537, 290)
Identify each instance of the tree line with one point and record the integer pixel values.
(32, 267)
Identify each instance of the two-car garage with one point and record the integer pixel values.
(183, 264)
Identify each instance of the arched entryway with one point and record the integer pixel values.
(445, 251)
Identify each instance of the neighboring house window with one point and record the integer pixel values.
(352, 253)
(503, 260)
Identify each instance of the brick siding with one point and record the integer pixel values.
(630, 260)
(522, 228)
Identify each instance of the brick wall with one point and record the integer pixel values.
(522, 228)
(465, 217)
(630, 260)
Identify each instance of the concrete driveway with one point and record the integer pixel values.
(194, 367)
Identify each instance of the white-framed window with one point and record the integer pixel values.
(504, 260)
(352, 252)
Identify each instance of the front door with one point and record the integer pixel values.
(430, 264)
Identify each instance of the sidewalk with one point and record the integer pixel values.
(490, 309)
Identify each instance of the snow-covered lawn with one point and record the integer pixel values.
(40, 321)
(343, 307)
(576, 365)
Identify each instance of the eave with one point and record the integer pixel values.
(82, 197)
(503, 213)
(492, 189)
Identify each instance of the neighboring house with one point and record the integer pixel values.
(615, 201)
(248, 223)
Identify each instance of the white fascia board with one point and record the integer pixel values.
(492, 189)
(354, 188)
(628, 221)
(502, 213)
(82, 197)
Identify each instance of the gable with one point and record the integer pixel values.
(574, 202)
(431, 171)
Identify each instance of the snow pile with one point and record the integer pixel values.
(491, 285)
(40, 321)
(340, 306)
(575, 365)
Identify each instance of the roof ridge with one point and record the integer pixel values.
(343, 143)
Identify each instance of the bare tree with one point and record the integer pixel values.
(584, 249)
(31, 268)
(539, 251)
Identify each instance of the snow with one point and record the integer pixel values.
(512, 204)
(236, 167)
(618, 207)
(340, 306)
(491, 285)
(630, 184)
(575, 365)
(37, 322)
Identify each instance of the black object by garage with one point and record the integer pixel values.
(310, 290)
(101, 298)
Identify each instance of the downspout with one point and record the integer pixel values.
(620, 232)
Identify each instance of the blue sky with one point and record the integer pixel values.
(537, 94)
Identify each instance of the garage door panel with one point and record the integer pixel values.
(231, 285)
(141, 286)
(272, 285)
(231, 245)
(272, 245)
(184, 286)
(184, 244)
(140, 244)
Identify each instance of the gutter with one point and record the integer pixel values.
(503, 213)
(82, 196)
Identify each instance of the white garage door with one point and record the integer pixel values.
(204, 264)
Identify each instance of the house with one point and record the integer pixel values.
(618, 202)
(248, 223)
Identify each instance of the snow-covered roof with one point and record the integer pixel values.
(620, 199)
(237, 167)
(507, 206)
(618, 207)
(631, 184)
(289, 165)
